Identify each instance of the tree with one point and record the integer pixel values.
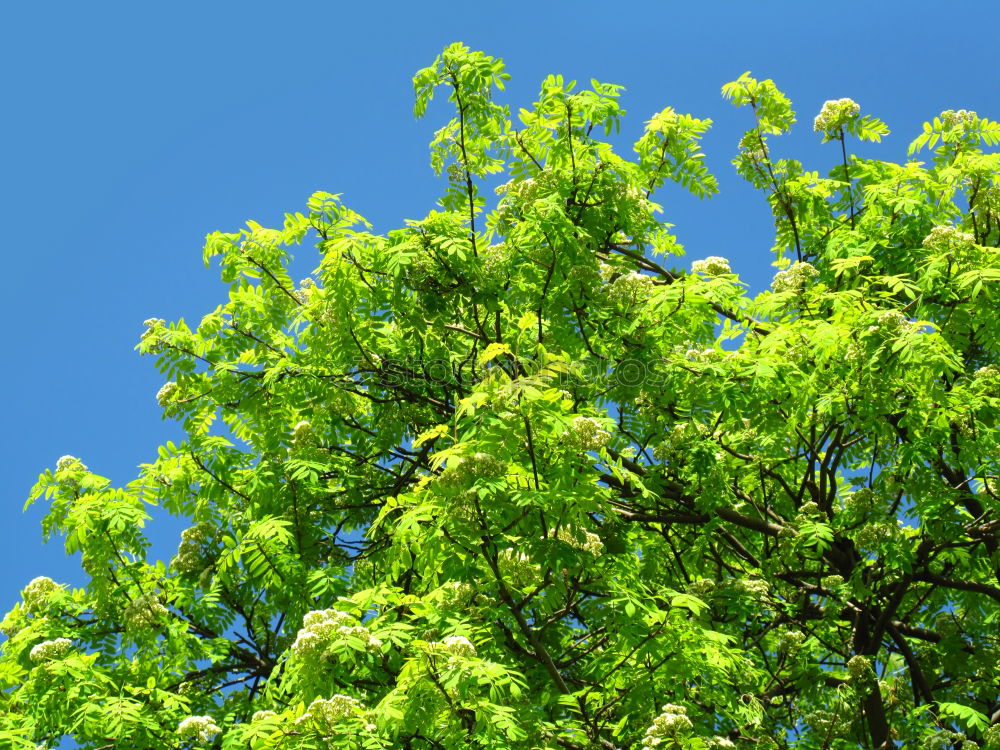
(506, 477)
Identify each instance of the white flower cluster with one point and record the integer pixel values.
(328, 712)
(860, 501)
(70, 463)
(495, 260)
(672, 721)
(583, 272)
(455, 645)
(525, 192)
(581, 539)
(702, 588)
(13, 622)
(144, 611)
(588, 434)
(890, 321)
(302, 433)
(470, 468)
(834, 114)
(322, 627)
(702, 355)
(989, 486)
(37, 593)
(794, 278)
(946, 237)
(166, 394)
(951, 118)
(48, 650)
(630, 288)
(946, 740)
(262, 715)
(871, 535)
(751, 147)
(790, 641)
(457, 594)
(860, 670)
(190, 556)
(721, 742)
(200, 728)
(992, 737)
(305, 289)
(809, 511)
(986, 373)
(517, 567)
(681, 435)
(151, 325)
(827, 723)
(755, 588)
(831, 582)
(713, 265)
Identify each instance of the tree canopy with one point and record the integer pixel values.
(513, 476)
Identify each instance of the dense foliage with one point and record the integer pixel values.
(506, 477)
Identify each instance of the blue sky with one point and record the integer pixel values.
(133, 129)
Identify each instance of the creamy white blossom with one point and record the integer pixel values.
(70, 463)
(468, 469)
(48, 650)
(152, 327)
(199, 728)
(302, 432)
(457, 645)
(892, 320)
(945, 238)
(581, 539)
(755, 588)
(166, 393)
(965, 118)
(517, 567)
(872, 535)
(794, 278)
(992, 736)
(791, 640)
(713, 265)
(702, 588)
(13, 622)
(588, 434)
(262, 715)
(457, 594)
(38, 591)
(328, 712)
(495, 261)
(144, 611)
(835, 114)
(306, 287)
(720, 742)
(860, 669)
(671, 722)
(630, 288)
(322, 628)
(191, 554)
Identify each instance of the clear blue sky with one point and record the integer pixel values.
(133, 129)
